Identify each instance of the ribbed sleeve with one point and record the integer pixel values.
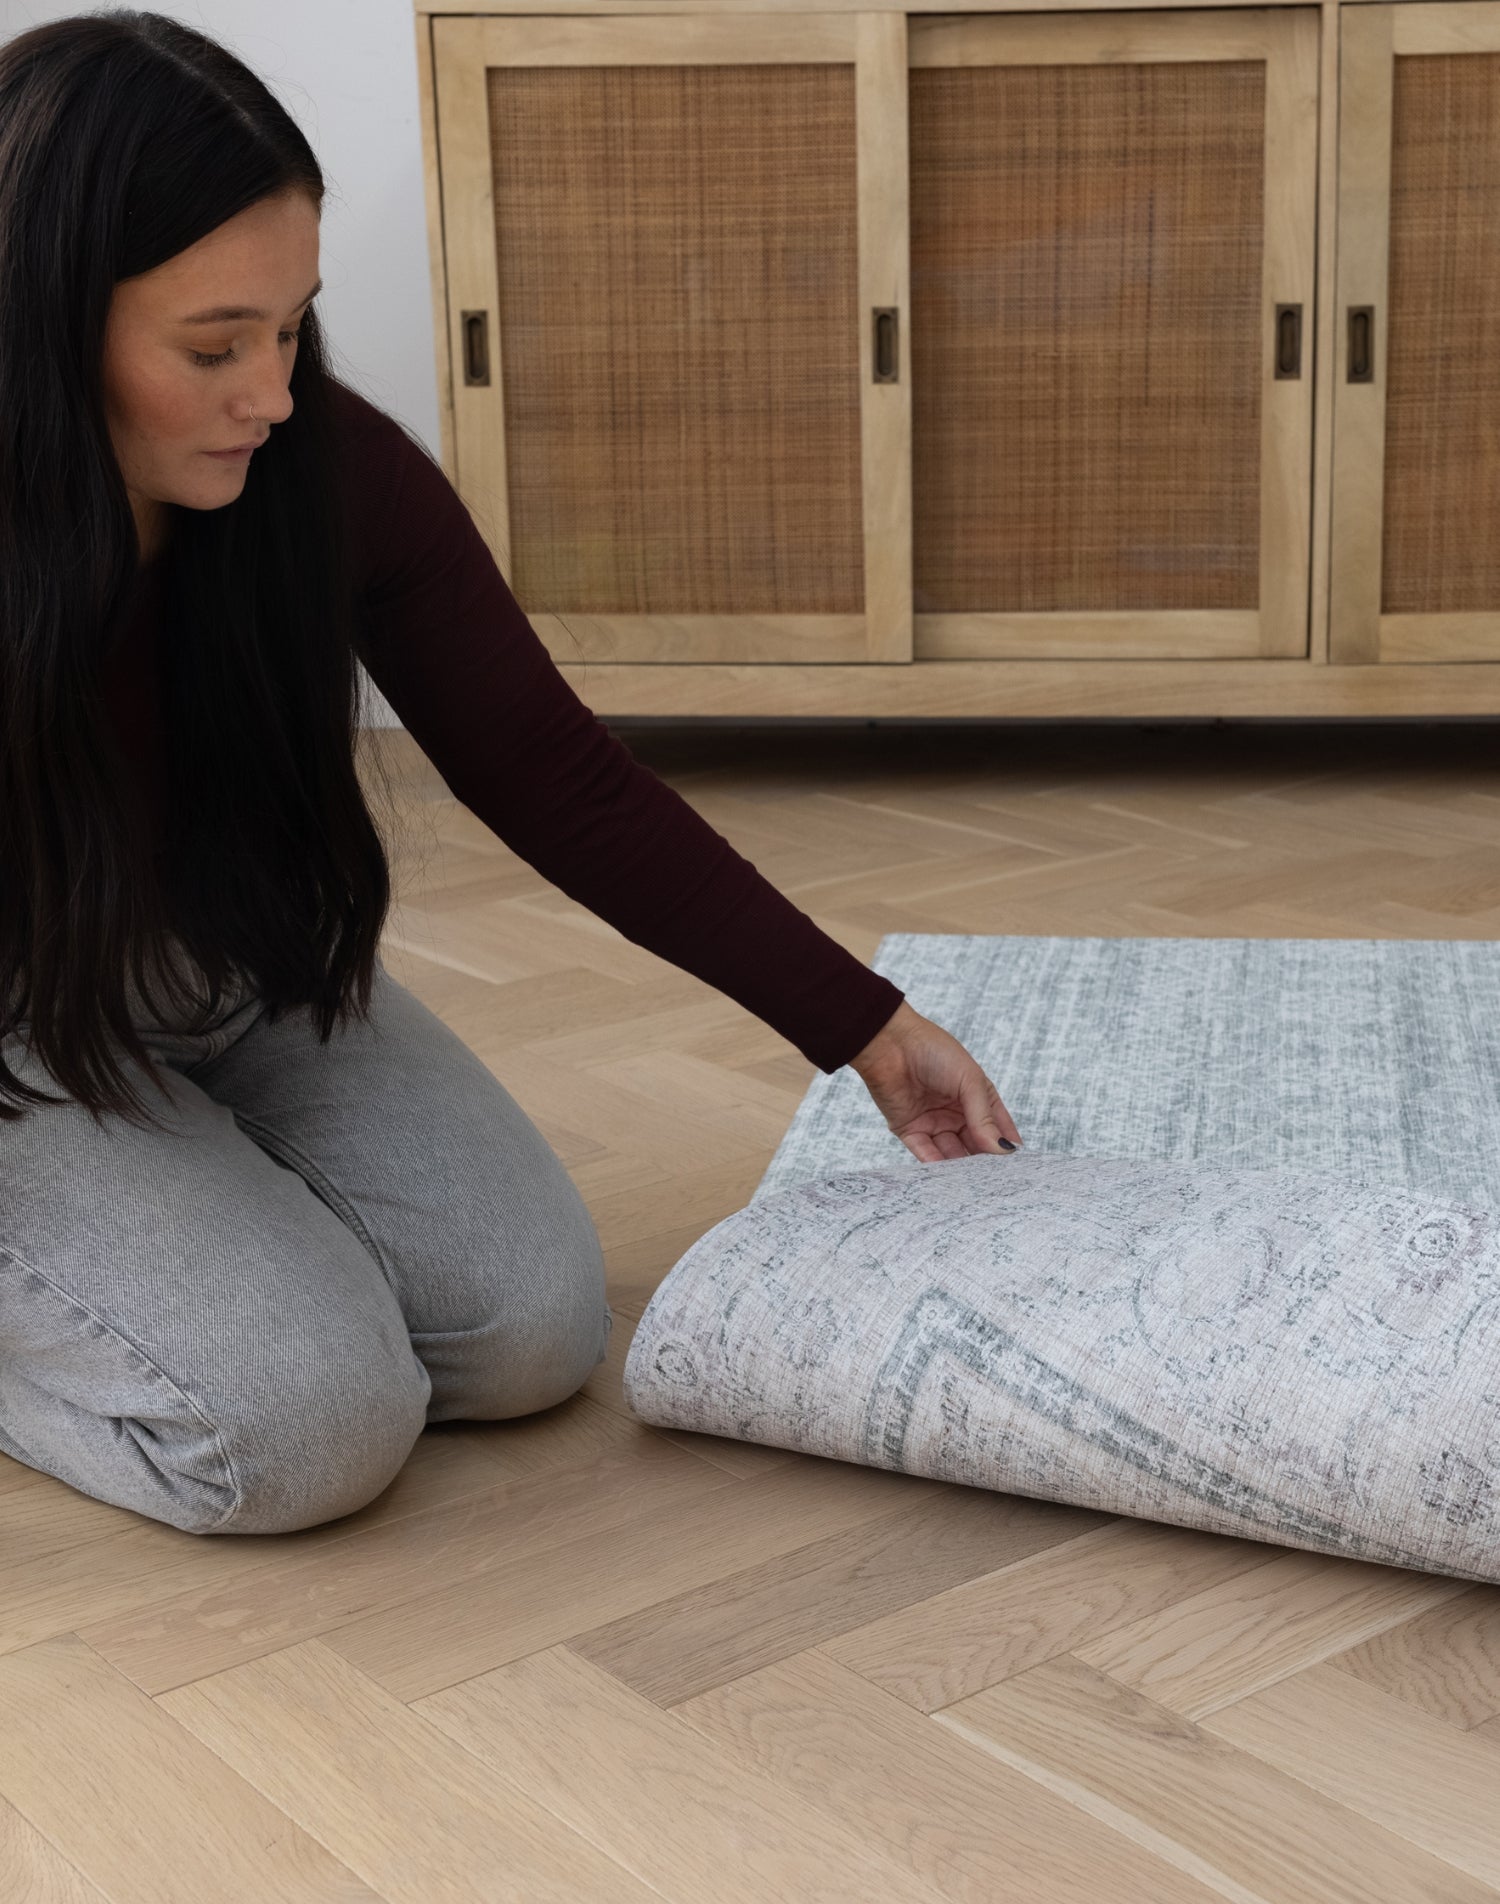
(450, 648)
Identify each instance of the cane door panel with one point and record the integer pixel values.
(676, 259)
(1112, 258)
(1416, 442)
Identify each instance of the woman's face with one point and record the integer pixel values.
(168, 407)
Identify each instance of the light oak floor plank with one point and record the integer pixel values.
(1404, 1770)
(987, 1630)
(521, 1604)
(970, 1825)
(1446, 1661)
(380, 1576)
(123, 1792)
(392, 1796)
(688, 1818)
(742, 1621)
(1235, 1637)
(1176, 1787)
(572, 1656)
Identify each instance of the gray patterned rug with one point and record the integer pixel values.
(1377, 1060)
(1243, 1276)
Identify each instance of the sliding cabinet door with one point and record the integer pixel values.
(1112, 261)
(676, 267)
(1416, 440)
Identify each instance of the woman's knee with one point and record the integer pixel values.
(328, 1436)
(545, 1329)
(330, 1430)
(278, 1422)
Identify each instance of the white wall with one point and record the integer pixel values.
(346, 70)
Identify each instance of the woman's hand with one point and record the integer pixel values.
(930, 1092)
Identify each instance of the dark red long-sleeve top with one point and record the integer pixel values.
(448, 645)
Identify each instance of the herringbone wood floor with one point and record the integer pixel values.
(571, 1658)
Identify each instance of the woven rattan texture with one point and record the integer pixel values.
(1087, 349)
(1442, 476)
(677, 255)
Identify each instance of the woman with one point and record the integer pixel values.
(262, 1215)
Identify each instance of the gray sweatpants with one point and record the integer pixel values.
(241, 1325)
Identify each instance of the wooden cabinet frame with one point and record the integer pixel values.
(1335, 663)
(1372, 39)
(875, 46)
(1286, 40)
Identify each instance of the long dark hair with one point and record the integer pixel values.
(124, 138)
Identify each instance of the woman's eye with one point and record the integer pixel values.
(226, 356)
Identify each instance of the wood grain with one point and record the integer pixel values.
(1176, 1786)
(571, 1657)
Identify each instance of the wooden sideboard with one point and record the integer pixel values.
(905, 362)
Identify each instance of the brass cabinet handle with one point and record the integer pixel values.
(1361, 343)
(887, 347)
(476, 346)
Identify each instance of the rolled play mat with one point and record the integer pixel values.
(1274, 1354)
